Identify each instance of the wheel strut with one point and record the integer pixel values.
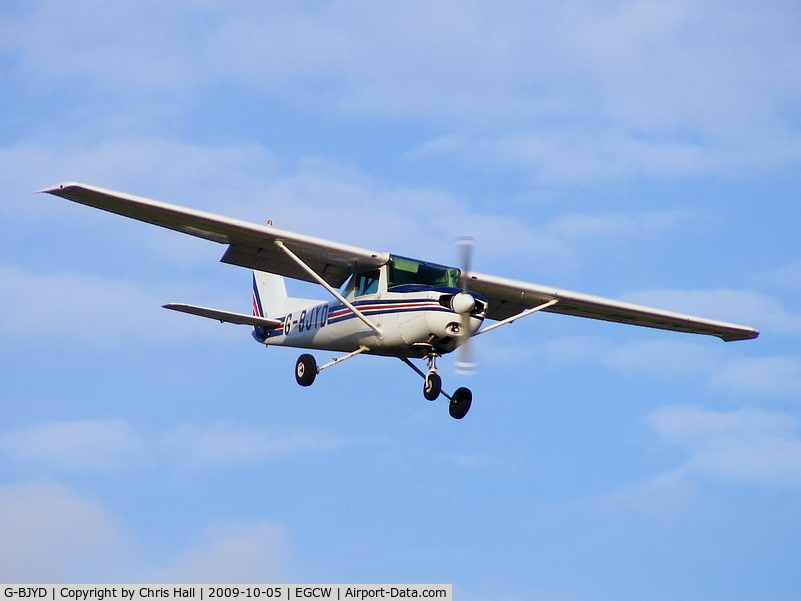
(460, 401)
(306, 369)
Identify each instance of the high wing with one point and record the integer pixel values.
(264, 248)
(225, 316)
(249, 245)
(507, 298)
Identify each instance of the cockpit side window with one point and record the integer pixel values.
(366, 282)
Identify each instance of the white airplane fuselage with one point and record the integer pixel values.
(410, 322)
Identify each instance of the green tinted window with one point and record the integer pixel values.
(408, 271)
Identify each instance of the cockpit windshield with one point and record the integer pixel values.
(403, 272)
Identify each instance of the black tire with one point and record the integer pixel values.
(460, 403)
(432, 386)
(305, 370)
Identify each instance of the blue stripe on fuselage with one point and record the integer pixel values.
(384, 306)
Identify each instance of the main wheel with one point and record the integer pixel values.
(460, 403)
(432, 386)
(305, 370)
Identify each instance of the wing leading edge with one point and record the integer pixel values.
(249, 245)
(507, 298)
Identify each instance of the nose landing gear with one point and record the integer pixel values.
(460, 400)
(432, 386)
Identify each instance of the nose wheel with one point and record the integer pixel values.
(432, 386)
(460, 401)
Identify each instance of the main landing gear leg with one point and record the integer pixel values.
(460, 400)
(306, 369)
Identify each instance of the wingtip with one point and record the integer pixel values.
(49, 190)
(57, 188)
(745, 334)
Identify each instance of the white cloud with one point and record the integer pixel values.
(339, 202)
(230, 552)
(588, 155)
(660, 64)
(660, 497)
(91, 310)
(48, 533)
(749, 446)
(776, 376)
(659, 88)
(695, 427)
(609, 152)
(667, 358)
(470, 460)
(202, 176)
(88, 41)
(718, 365)
(787, 277)
(660, 357)
(226, 445)
(746, 447)
(317, 197)
(113, 445)
(616, 226)
(90, 445)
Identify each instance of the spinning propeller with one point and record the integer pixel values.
(464, 303)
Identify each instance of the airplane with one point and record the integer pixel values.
(383, 304)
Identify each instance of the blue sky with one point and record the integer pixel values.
(642, 150)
